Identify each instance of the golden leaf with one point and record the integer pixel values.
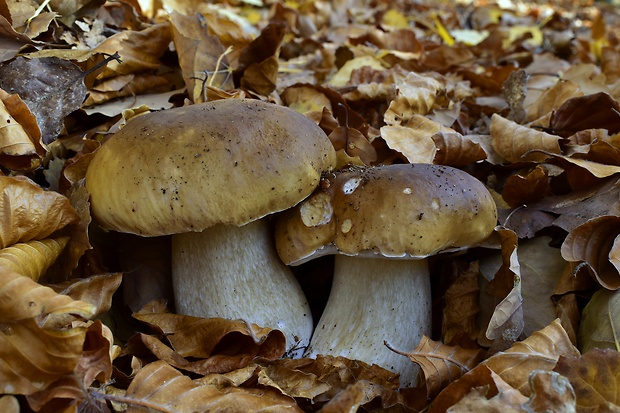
(540, 351)
(514, 142)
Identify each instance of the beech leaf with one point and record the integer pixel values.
(600, 322)
(29, 212)
(595, 376)
(442, 364)
(162, 388)
(32, 258)
(540, 351)
(202, 337)
(595, 244)
(515, 142)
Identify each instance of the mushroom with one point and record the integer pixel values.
(382, 223)
(207, 173)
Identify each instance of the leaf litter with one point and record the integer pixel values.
(522, 96)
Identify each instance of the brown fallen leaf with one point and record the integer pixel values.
(442, 364)
(96, 290)
(594, 376)
(21, 146)
(461, 306)
(597, 110)
(206, 337)
(29, 212)
(58, 90)
(481, 377)
(506, 321)
(160, 387)
(202, 56)
(600, 322)
(540, 351)
(528, 186)
(456, 150)
(594, 244)
(515, 142)
(32, 258)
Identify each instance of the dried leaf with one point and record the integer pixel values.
(58, 90)
(442, 364)
(204, 337)
(139, 50)
(598, 110)
(515, 142)
(29, 212)
(414, 140)
(523, 188)
(506, 323)
(461, 308)
(257, 68)
(354, 397)
(159, 386)
(96, 290)
(595, 244)
(595, 376)
(480, 377)
(201, 55)
(21, 147)
(416, 95)
(456, 150)
(32, 258)
(540, 351)
(600, 322)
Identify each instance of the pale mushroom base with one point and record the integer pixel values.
(375, 300)
(234, 273)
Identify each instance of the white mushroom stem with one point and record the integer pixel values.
(375, 300)
(234, 273)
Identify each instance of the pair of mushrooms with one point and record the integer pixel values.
(209, 174)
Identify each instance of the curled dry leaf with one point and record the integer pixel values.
(595, 376)
(361, 393)
(202, 57)
(442, 364)
(525, 187)
(21, 147)
(31, 213)
(140, 50)
(461, 305)
(96, 290)
(456, 150)
(540, 351)
(515, 142)
(596, 245)
(597, 110)
(413, 139)
(416, 95)
(32, 258)
(480, 377)
(600, 322)
(160, 387)
(506, 322)
(38, 346)
(203, 337)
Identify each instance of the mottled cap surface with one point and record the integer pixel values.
(225, 162)
(399, 211)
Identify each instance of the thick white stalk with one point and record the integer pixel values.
(375, 300)
(234, 273)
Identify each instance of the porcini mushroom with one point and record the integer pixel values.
(207, 173)
(383, 222)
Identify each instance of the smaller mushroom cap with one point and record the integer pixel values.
(230, 161)
(406, 211)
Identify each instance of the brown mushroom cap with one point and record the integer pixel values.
(398, 211)
(230, 161)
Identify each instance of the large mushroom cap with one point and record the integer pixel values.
(399, 211)
(230, 161)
